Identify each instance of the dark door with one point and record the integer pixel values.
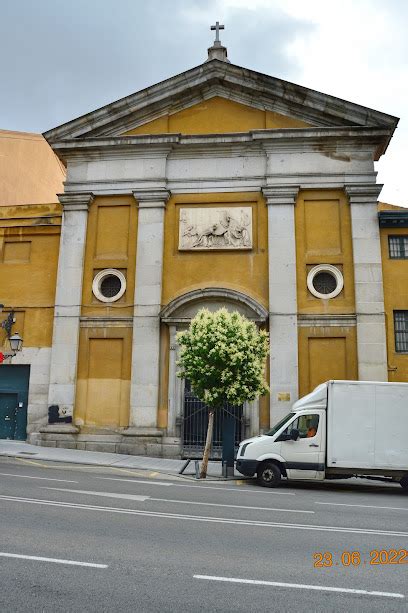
(8, 410)
(14, 383)
(195, 423)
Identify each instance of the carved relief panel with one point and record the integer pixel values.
(206, 229)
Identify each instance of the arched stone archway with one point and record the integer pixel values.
(177, 315)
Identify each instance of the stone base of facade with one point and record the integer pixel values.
(129, 441)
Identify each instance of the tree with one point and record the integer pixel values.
(223, 355)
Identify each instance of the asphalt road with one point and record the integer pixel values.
(97, 539)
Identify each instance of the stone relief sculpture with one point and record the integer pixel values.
(215, 228)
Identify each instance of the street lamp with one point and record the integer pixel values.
(15, 340)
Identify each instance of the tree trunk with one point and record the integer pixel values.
(204, 465)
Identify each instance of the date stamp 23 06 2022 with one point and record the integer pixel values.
(376, 557)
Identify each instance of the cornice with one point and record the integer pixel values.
(76, 201)
(280, 194)
(148, 198)
(271, 141)
(363, 193)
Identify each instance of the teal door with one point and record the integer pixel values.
(8, 411)
(14, 384)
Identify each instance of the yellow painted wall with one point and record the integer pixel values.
(103, 381)
(217, 115)
(111, 243)
(395, 279)
(184, 271)
(244, 271)
(29, 244)
(323, 236)
(326, 353)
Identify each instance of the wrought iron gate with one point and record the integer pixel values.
(195, 423)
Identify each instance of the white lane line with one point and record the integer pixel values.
(41, 478)
(143, 498)
(152, 482)
(220, 488)
(54, 560)
(136, 497)
(299, 586)
(200, 518)
(362, 506)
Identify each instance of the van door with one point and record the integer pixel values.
(304, 456)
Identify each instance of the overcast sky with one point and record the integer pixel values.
(62, 58)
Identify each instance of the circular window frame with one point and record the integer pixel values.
(99, 278)
(337, 274)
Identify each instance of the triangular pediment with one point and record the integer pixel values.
(218, 97)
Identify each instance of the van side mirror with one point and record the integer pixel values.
(294, 434)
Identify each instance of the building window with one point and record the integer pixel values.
(109, 285)
(325, 281)
(398, 247)
(401, 331)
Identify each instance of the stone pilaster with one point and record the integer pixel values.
(144, 390)
(371, 333)
(68, 299)
(282, 298)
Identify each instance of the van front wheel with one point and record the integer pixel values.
(269, 474)
(404, 482)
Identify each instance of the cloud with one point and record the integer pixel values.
(59, 59)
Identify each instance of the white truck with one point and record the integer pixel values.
(342, 429)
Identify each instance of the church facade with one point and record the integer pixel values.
(217, 187)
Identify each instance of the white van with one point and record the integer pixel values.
(342, 429)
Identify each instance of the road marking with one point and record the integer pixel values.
(300, 586)
(135, 481)
(54, 560)
(41, 478)
(143, 498)
(123, 470)
(24, 461)
(104, 494)
(220, 488)
(362, 506)
(200, 518)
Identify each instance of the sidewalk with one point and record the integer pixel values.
(20, 449)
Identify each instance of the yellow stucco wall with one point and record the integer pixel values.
(29, 244)
(217, 115)
(184, 271)
(244, 271)
(323, 236)
(103, 382)
(104, 361)
(395, 280)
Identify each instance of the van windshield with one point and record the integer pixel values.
(279, 425)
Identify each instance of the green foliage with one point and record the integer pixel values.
(223, 355)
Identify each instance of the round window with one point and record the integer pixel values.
(109, 285)
(325, 281)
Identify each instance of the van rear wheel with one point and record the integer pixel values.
(404, 482)
(269, 474)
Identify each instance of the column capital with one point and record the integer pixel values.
(363, 193)
(76, 201)
(280, 194)
(151, 198)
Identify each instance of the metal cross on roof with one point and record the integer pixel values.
(217, 29)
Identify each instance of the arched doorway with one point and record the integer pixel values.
(186, 414)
